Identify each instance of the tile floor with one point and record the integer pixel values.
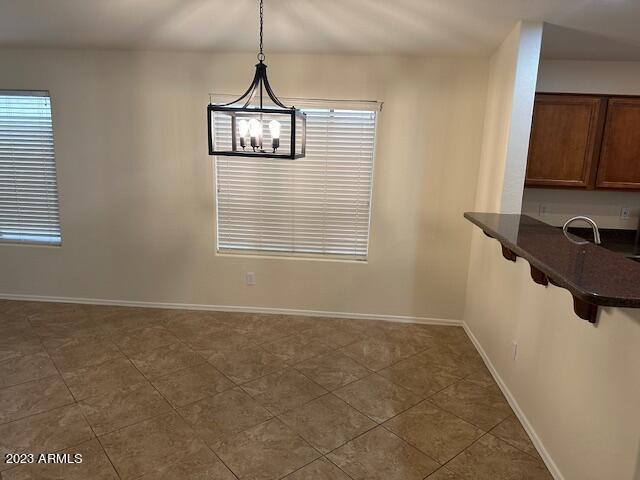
(171, 394)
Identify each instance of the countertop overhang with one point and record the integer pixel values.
(594, 275)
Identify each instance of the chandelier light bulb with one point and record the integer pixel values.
(274, 128)
(243, 127)
(243, 130)
(255, 128)
(255, 131)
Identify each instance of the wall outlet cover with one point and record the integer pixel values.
(624, 212)
(249, 279)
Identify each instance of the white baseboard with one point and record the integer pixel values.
(551, 465)
(234, 308)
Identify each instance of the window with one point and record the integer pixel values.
(28, 190)
(318, 205)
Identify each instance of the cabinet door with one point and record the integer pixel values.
(565, 135)
(620, 158)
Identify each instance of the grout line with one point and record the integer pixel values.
(274, 417)
(76, 403)
(57, 374)
(175, 410)
(440, 465)
(477, 426)
(444, 408)
(464, 450)
(301, 438)
(455, 414)
(31, 380)
(539, 458)
(412, 406)
(337, 466)
(313, 461)
(425, 453)
(150, 418)
(427, 399)
(59, 407)
(348, 405)
(279, 369)
(103, 449)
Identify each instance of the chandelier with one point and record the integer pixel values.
(255, 125)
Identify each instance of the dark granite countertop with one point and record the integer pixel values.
(620, 241)
(593, 274)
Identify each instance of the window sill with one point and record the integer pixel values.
(289, 256)
(17, 243)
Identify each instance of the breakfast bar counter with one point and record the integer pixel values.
(594, 275)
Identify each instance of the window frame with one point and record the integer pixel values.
(307, 104)
(34, 242)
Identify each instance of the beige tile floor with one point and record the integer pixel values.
(171, 394)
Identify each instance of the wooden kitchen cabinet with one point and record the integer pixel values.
(565, 138)
(619, 166)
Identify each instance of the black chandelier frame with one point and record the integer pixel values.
(241, 107)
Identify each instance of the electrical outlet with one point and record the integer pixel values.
(624, 212)
(514, 346)
(249, 279)
(542, 209)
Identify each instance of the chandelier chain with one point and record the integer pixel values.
(261, 54)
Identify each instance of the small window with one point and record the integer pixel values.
(319, 205)
(28, 188)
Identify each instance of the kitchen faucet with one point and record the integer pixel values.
(594, 227)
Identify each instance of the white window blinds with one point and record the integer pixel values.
(28, 190)
(317, 205)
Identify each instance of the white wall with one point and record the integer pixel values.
(136, 184)
(575, 386)
(620, 78)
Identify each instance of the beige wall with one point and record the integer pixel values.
(604, 207)
(579, 76)
(620, 78)
(502, 70)
(575, 386)
(578, 385)
(508, 120)
(136, 184)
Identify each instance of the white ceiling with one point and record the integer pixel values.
(431, 27)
